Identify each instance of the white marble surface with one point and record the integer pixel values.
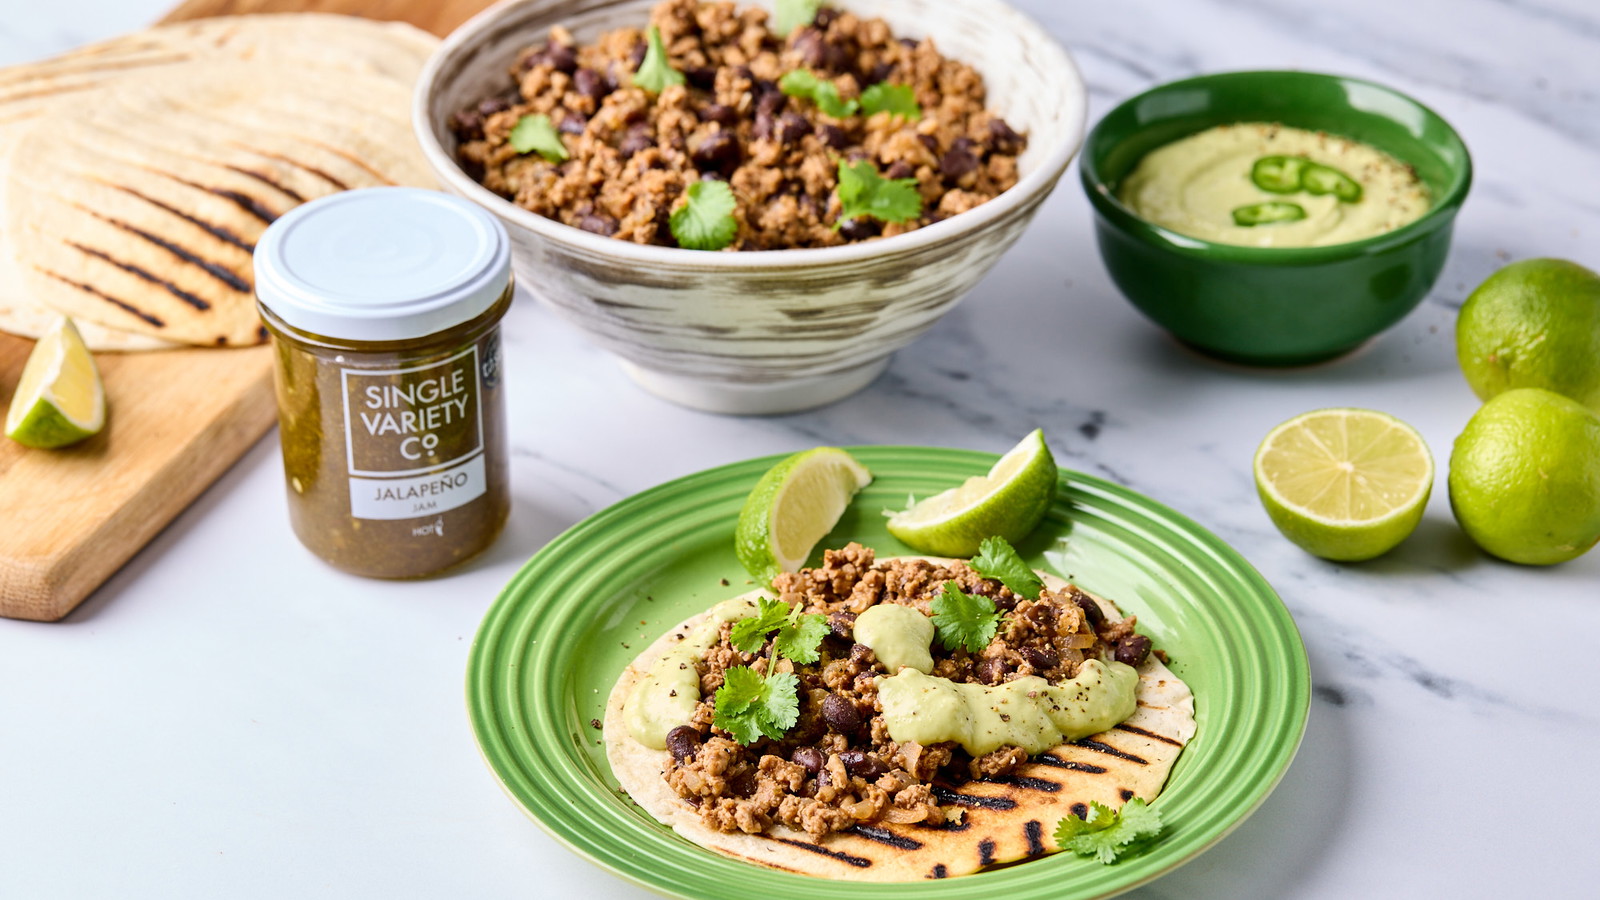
(227, 717)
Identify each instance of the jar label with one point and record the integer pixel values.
(414, 438)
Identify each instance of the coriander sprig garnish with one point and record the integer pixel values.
(806, 85)
(750, 704)
(706, 220)
(655, 73)
(964, 620)
(535, 133)
(863, 192)
(897, 99)
(791, 14)
(997, 559)
(1104, 833)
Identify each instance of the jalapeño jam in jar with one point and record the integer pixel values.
(384, 306)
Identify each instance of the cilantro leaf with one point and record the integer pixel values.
(863, 192)
(706, 220)
(800, 639)
(1105, 832)
(898, 99)
(749, 633)
(791, 14)
(535, 132)
(824, 93)
(997, 559)
(655, 74)
(964, 620)
(749, 705)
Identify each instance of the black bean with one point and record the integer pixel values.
(718, 113)
(591, 84)
(1041, 659)
(636, 55)
(1005, 601)
(879, 73)
(820, 53)
(862, 655)
(1133, 649)
(683, 742)
(492, 105)
(1002, 139)
(573, 123)
(808, 758)
(908, 43)
(792, 127)
(860, 228)
(824, 779)
(858, 762)
(638, 138)
(929, 141)
(598, 223)
(842, 625)
(840, 714)
(702, 77)
(957, 162)
(744, 783)
(562, 58)
(900, 169)
(1091, 611)
(825, 17)
(1042, 615)
(719, 152)
(764, 127)
(991, 670)
(769, 99)
(833, 136)
(467, 125)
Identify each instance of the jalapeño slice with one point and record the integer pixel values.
(1279, 174)
(1321, 179)
(1268, 213)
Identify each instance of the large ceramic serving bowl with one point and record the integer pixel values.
(777, 330)
(1275, 305)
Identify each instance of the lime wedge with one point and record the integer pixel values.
(793, 506)
(1008, 502)
(1344, 484)
(59, 398)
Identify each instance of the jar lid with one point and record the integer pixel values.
(382, 264)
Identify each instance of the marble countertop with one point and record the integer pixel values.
(229, 717)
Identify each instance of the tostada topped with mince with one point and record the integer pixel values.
(718, 127)
(900, 719)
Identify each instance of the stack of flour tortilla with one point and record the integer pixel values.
(136, 175)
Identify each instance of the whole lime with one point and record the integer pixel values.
(1525, 477)
(1534, 323)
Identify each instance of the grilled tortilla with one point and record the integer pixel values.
(1005, 819)
(136, 174)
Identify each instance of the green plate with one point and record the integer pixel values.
(555, 640)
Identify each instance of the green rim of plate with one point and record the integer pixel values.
(554, 641)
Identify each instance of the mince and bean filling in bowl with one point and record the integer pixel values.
(715, 126)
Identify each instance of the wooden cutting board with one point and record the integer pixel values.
(178, 418)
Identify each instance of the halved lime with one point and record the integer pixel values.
(793, 506)
(59, 398)
(1008, 502)
(1344, 484)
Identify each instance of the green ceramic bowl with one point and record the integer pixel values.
(1263, 305)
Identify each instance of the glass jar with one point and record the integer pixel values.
(384, 306)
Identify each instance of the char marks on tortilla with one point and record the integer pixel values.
(137, 174)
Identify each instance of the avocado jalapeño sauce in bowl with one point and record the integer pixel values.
(1274, 218)
(384, 306)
